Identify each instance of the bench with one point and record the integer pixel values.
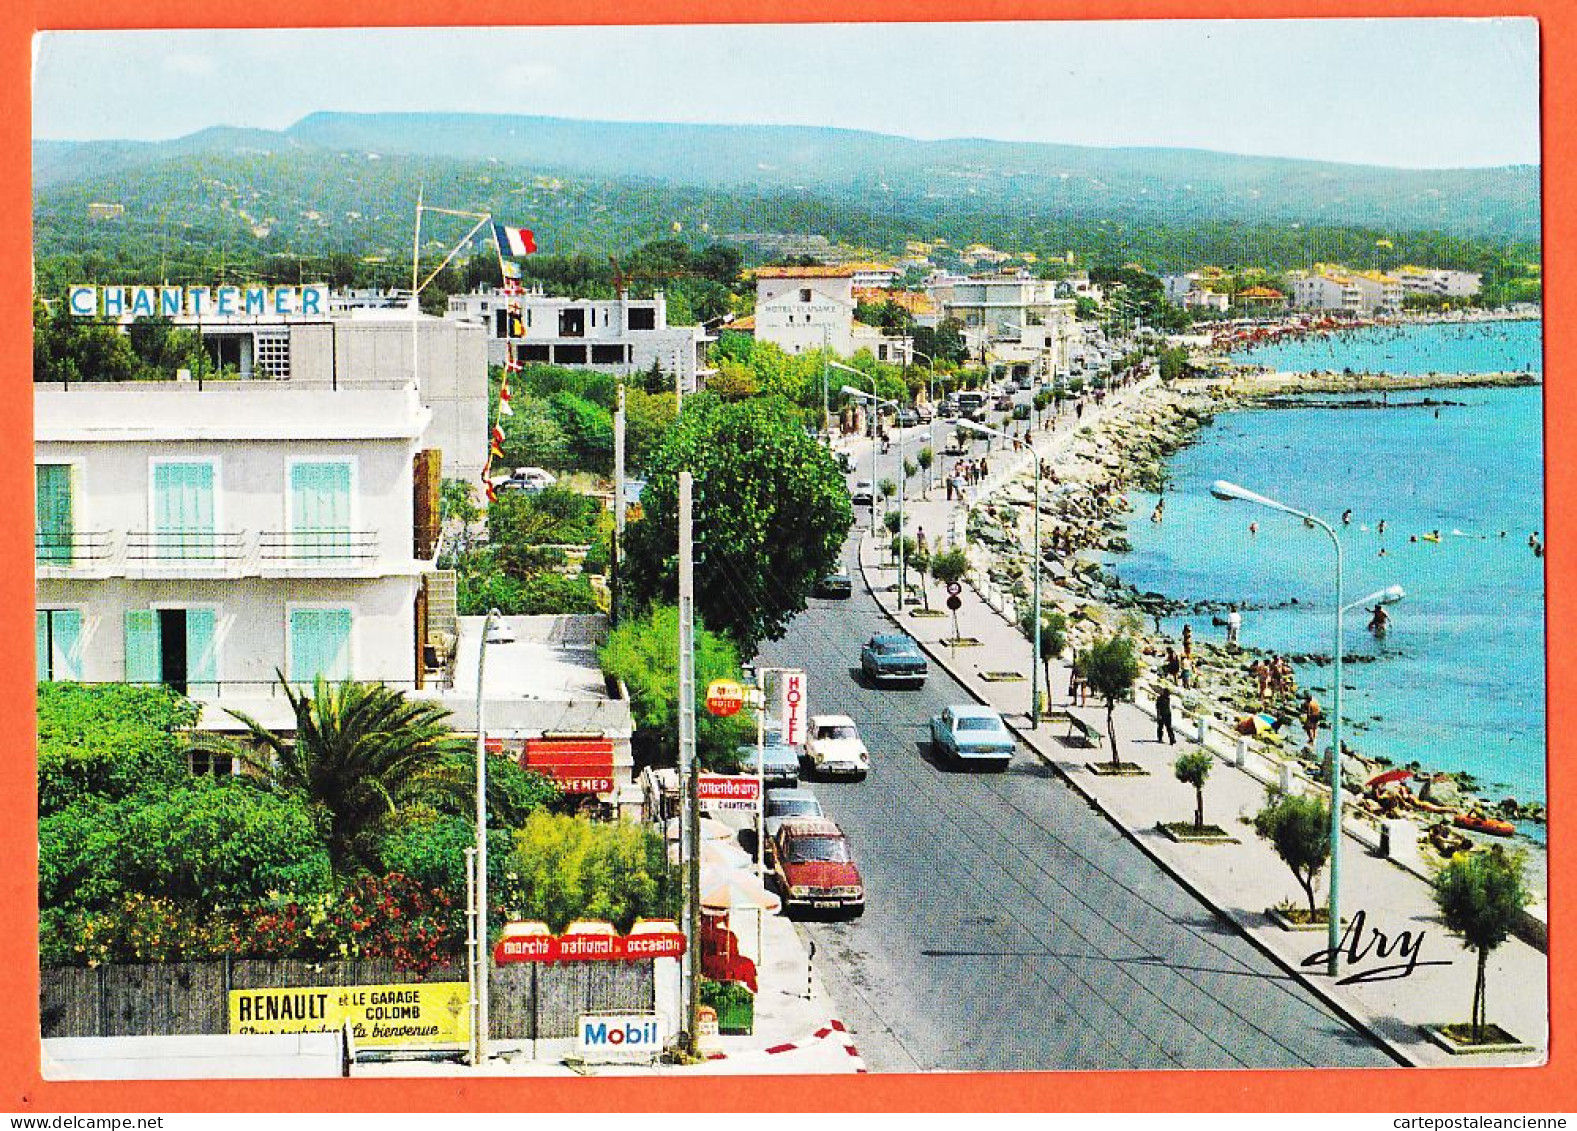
(1087, 733)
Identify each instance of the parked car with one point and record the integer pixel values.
(534, 476)
(925, 412)
(780, 762)
(1004, 403)
(814, 868)
(837, 585)
(784, 804)
(833, 748)
(863, 492)
(969, 735)
(947, 410)
(908, 418)
(892, 660)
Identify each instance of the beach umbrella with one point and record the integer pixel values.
(710, 829)
(715, 854)
(734, 890)
(1388, 777)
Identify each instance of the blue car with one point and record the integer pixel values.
(893, 661)
(975, 736)
(780, 763)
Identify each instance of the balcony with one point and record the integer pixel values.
(73, 553)
(317, 547)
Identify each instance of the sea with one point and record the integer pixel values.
(1458, 681)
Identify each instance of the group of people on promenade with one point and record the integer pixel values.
(966, 473)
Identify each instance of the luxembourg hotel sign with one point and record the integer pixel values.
(196, 302)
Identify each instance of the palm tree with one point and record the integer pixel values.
(361, 754)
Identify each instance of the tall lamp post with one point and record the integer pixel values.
(1222, 489)
(479, 1037)
(877, 404)
(1034, 677)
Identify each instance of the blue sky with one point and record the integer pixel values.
(1418, 93)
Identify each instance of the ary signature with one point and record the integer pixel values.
(1405, 948)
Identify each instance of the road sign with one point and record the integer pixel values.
(729, 791)
(795, 707)
(724, 697)
(954, 589)
(954, 602)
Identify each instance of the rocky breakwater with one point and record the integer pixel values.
(1084, 509)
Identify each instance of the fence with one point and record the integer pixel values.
(529, 1000)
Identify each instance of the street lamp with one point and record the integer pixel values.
(1222, 489)
(1034, 676)
(877, 403)
(482, 989)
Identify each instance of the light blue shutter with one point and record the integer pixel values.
(319, 644)
(183, 510)
(144, 653)
(202, 660)
(66, 663)
(41, 646)
(320, 509)
(54, 519)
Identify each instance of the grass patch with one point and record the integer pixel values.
(1458, 1038)
(1185, 832)
(1120, 770)
(1002, 677)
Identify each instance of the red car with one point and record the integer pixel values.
(814, 868)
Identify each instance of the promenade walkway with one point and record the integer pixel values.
(1431, 983)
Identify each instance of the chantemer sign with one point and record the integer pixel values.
(86, 301)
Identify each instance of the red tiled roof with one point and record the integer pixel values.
(804, 272)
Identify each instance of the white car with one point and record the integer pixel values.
(833, 748)
(534, 477)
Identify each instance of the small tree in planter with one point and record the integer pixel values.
(925, 458)
(949, 567)
(920, 561)
(892, 520)
(1193, 768)
(1110, 668)
(1299, 828)
(909, 468)
(887, 489)
(1480, 896)
(1053, 639)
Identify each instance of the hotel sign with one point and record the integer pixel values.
(196, 302)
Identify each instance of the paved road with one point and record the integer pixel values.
(1008, 926)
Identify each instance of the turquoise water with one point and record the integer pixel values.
(1458, 683)
(1465, 347)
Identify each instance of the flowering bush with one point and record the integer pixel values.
(139, 928)
(389, 916)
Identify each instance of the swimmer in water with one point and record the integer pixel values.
(1380, 527)
(1347, 517)
(1253, 528)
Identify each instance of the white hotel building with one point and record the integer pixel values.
(620, 335)
(203, 537)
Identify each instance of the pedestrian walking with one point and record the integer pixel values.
(1310, 713)
(1163, 715)
(919, 539)
(1234, 625)
(1172, 667)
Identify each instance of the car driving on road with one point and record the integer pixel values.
(835, 585)
(833, 748)
(969, 735)
(814, 868)
(862, 493)
(892, 661)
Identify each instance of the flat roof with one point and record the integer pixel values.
(551, 658)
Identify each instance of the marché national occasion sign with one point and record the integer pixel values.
(196, 302)
(426, 1013)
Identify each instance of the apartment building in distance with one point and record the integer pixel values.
(1439, 281)
(812, 308)
(1015, 318)
(1336, 288)
(619, 335)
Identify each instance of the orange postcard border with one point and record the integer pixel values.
(1550, 1088)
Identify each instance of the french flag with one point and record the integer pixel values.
(514, 241)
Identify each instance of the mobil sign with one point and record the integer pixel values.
(630, 1033)
(794, 707)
